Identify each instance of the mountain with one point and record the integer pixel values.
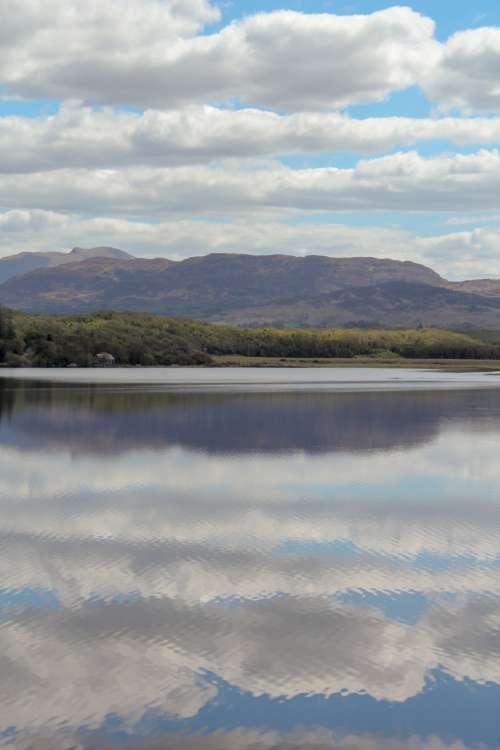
(15, 265)
(257, 290)
(487, 287)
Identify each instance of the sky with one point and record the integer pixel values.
(180, 127)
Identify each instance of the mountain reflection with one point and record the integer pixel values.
(95, 420)
(258, 572)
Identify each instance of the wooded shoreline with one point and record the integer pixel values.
(131, 339)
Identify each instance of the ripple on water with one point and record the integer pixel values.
(249, 570)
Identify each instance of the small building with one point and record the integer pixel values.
(105, 359)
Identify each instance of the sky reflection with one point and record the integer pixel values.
(327, 578)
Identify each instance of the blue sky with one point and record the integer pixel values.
(347, 128)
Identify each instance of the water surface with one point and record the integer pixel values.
(189, 564)
(262, 378)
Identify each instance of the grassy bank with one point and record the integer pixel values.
(451, 365)
(148, 340)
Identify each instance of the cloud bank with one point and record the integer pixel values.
(168, 119)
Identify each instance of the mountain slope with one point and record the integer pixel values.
(209, 284)
(393, 304)
(16, 265)
(260, 290)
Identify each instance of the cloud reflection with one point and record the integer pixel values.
(75, 667)
(315, 739)
(138, 579)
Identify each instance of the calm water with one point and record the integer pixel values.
(246, 560)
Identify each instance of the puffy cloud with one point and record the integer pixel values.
(48, 40)
(189, 158)
(43, 230)
(142, 54)
(152, 54)
(81, 137)
(171, 166)
(400, 182)
(19, 220)
(467, 254)
(457, 255)
(465, 72)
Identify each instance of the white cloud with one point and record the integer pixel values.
(400, 182)
(469, 254)
(74, 177)
(465, 71)
(151, 53)
(30, 29)
(282, 59)
(456, 255)
(44, 230)
(81, 137)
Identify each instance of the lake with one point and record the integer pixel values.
(249, 559)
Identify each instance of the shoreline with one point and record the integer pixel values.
(445, 365)
(251, 362)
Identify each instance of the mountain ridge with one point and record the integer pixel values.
(278, 289)
(23, 262)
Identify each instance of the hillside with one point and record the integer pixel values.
(277, 290)
(16, 265)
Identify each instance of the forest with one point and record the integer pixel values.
(148, 340)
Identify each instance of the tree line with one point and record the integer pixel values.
(148, 340)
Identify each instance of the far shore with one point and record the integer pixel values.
(450, 365)
(236, 360)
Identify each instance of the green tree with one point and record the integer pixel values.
(7, 333)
